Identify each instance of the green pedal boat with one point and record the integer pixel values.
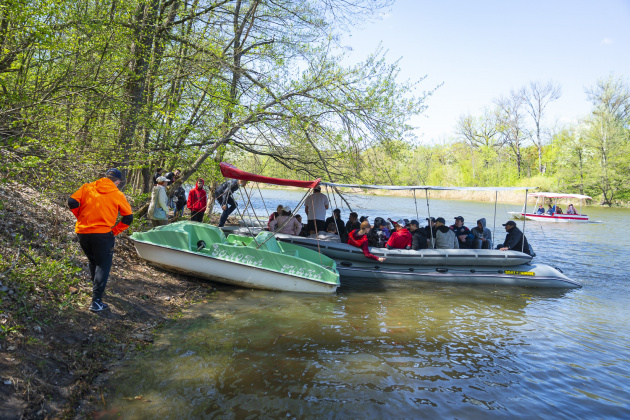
(260, 262)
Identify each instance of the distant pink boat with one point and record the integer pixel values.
(555, 217)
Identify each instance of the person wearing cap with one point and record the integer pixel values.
(315, 206)
(197, 201)
(341, 227)
(482, 235)
(444, 236)
(418, 238)
(515, 240)
(401, 237)
(158, 209)
(353, 222)
(285, 223)
(541, 209)
(225, 197)
(359, 238)
(463, 234)
(96, 206)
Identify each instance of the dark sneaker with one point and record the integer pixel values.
(98, 306)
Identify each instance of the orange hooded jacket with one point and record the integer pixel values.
(99, 204)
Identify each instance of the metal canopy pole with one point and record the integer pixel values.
(494, 223)
(429, 213)
(524, 220)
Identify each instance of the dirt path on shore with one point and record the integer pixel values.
(51, 346)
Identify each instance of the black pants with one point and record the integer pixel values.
(99, 250)
(321, 225)
(231, 206)
(197, 216)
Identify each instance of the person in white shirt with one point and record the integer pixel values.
(316, 206)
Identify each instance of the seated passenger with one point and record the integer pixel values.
(541, 209)
(463, 234)
(273, 215)
(444, 237)
(401, 238)
(558, 210)
(341, 227)
(303, 232)
(515, 240)
(377, 237)
(353, 222)
(550, 210)
(482, 235)
(359, 238)
(330, 235)
(418, 238)
(285, 223)
(571, 209)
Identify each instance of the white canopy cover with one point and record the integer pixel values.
(560, 195)
(424, 187)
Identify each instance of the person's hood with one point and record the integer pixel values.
(443, 228)
(197, 183)
(105, 186)
(483, 222)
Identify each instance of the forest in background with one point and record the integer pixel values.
(509, 144)
(142, 84)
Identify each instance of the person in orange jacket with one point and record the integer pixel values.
(197, 201)
(96, 206)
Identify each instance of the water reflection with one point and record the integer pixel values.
(447, 350)
(405, 350)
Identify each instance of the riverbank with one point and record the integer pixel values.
(51, 346)
(504, 197)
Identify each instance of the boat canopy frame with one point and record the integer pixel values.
(428, 188)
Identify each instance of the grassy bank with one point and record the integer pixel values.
(51, 347)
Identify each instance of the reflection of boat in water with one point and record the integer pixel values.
(555, 217)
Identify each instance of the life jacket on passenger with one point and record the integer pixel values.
(352, 240)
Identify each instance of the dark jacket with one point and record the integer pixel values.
(514, 241)
(462, 230)
(418, 239)
(377, 238)
(341, 228)
(225, 191)
(352, 226)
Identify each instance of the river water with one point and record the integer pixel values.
(405, 350)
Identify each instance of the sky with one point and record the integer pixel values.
(481, 50)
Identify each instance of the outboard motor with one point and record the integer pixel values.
(200, 245)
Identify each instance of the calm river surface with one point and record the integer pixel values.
(405, 350)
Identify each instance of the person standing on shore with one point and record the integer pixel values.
(197, 201)
(158, 209)
(224, 194)
(96, 206)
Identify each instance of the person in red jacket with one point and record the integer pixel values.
(401, 238)
(197, 201)
(96, 206)
(359, 238)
